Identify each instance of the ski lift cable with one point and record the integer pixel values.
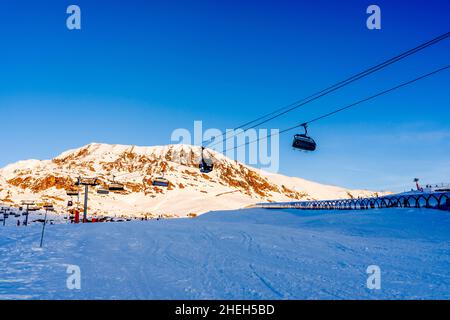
(117, 177)
(344, 108)
(339, 85)
(374, 68)
(131, 173)
(281, 111)
(378, 94)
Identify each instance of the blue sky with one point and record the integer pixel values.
(140, 69)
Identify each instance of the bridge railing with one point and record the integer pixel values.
(433, 200)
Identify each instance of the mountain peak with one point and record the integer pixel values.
(231, 185)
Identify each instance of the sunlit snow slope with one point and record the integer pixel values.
(231, 185)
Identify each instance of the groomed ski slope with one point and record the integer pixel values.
(245, 254)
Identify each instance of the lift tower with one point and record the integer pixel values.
(27, 203)
(86, 182)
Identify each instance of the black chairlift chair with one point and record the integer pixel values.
(205, 165)
(160, 182)
(303, 141)
(48, 207)
(72, 191)
(116, 186)
(102, 190)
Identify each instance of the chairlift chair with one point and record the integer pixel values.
(303, 141)
(160, 182)
(72, 192)
(102, 190)
(205, 165)
(116, 186)
(49, 207)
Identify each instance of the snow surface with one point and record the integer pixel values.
(317, 190)
(243, 254)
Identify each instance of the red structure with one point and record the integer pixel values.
(75, 215)
(419, 188)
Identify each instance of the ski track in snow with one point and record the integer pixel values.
(243, 254)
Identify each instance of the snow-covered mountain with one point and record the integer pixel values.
(231, 185)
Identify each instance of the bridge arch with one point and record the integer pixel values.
(444, 201)
(421, 202)
(402, 202)
(411, 200)
(433, 202)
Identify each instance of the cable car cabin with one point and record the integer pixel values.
(115, 186)
(160, 182)
(206, 166)
(303, 142)
(102, 190)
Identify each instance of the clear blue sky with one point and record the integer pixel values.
(139, 69)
